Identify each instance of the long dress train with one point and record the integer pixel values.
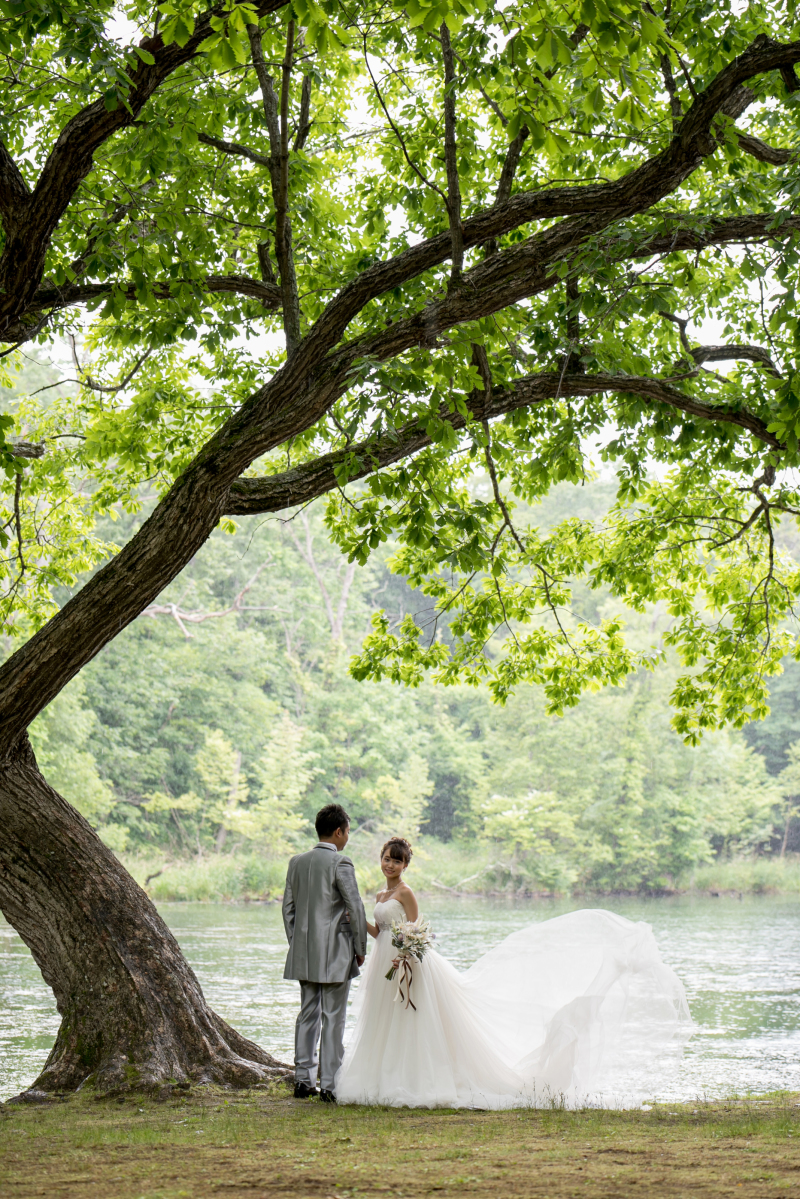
(578, 1009)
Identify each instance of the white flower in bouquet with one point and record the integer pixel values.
(411, 939)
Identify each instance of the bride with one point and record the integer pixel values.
(571, 1010)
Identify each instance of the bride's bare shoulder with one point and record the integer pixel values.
(408, 900)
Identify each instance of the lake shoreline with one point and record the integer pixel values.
(249, 878)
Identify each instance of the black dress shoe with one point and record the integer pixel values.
(304, 1090)
(327, 1096)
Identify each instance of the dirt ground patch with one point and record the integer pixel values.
(260, 1145)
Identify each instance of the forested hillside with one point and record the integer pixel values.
(225, 716)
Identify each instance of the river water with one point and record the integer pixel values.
(739, 961)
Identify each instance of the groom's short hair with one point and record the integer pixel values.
(330, 818)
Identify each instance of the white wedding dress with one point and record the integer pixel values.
(578, 1009)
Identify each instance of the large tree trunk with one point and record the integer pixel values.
(132, 1011)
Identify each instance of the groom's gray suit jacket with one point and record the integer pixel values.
(324, 917)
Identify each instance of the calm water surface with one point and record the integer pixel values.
(739, 961)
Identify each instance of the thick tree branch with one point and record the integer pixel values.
(735, 352)
(270, 104)
(14, 191)
(306, 482)
(510, 164)
(265, 265)
(789, 77)
(27, 449)
(691, 233)
(50, 299)
(775, 156)
(702, 354)
(480, 401)
(634, 192)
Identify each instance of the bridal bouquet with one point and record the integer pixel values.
(412, 939)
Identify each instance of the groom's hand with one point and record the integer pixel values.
(360, 960)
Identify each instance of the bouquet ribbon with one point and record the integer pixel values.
(405, 979)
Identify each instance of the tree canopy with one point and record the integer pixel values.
(233, 690)
(382, 251)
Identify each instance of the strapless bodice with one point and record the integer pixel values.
(387, 910)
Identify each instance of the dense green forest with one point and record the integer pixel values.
(216, 725)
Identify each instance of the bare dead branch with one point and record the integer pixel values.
(182, 617)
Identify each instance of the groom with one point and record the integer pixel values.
(327, 932)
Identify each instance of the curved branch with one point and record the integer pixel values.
(754, 146)
(50, 299)
(72, 157)
(248, 497)
(634, 192)
(235, 149)
(728, 353)
(702, 354)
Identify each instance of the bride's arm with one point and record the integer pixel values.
(372, 929)
(409, 902)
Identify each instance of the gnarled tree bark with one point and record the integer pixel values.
(132, 1012)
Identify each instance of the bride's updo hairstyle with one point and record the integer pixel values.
(399, 849)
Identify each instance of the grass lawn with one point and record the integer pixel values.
(264, 1143)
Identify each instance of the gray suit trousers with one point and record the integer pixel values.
(322, 1006)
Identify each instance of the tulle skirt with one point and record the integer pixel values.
(579, 1009)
